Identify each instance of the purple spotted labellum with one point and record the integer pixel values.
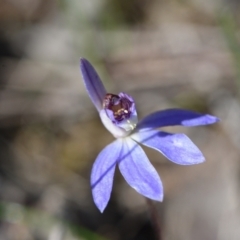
(118, 114)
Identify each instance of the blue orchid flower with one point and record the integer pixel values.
(118, 114)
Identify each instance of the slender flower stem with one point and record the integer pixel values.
(154, 218)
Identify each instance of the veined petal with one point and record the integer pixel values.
(93, 84)
(103, 172)
(139, 172)
(172, 117)
(178, 148)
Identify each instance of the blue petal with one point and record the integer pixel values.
(93, 84)
(103, 172)
(178, 148)
(172, 117)
(139, 172)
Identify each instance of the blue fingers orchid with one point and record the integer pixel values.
(118, 114)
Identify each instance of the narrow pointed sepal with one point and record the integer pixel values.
(139, 172)
(173, 117)
(103, 172)
(93, 83)
(178, 148)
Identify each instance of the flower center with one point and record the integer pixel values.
(120, 106)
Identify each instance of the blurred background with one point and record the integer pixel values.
(175, 53)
